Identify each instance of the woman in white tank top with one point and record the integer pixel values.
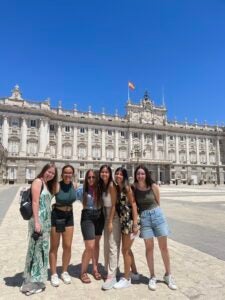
(112, 231)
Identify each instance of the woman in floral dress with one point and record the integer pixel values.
(127, 211)
(39, 226)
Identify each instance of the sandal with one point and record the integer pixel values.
(97, 275)
(85, 278)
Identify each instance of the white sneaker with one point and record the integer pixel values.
(135, 276)
(152, 283)
(170, 282)
(55, 280)
(123, 283)
(66, 277)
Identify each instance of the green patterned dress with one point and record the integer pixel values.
(36, 267)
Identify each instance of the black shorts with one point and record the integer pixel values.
(58, 214)
(92, 223)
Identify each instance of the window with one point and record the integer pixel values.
(67, 151)
(96, 131)
(171, 137)
(13, 147)
(67, 128)
(181, 138)
(30, 173)
(32, 147)
(82, 151)
(159, 137)
(33, 123)
(82, 130)
(122, 133)
(135, 135)
(52, 127)
(81, 174)
(109, 153)
(96, 152)
(109, 132)
(15, 122)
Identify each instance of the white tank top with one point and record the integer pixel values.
(107, 199)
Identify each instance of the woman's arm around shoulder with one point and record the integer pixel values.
(113, 194)
(156, 192)
(130, 197)
(36, 188)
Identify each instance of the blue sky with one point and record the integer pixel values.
(86, 51)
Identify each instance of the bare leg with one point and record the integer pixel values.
(96, 254)
(126, 246)
(149, 247)
(87, 255)
(54, 245)
(165, 253)
(67, 242)
(133, 265)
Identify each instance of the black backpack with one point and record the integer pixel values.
(26, 203)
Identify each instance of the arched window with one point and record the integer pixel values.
(96, 152)
(67, 150)
(171, 155)
(182, 156)
(202, 157)
(52, 150)
(109, 152)
(123, 153)
(32, 147)
(14, 146)
(193, 157)
(82, 151)
(212, 158)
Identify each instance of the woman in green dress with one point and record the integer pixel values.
(36, 267)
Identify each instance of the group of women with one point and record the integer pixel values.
(121, 210)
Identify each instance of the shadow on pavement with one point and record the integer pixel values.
(15, 280)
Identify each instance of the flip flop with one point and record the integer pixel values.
(85, 278)
(97, 275)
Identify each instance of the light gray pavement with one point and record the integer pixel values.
(198, 275)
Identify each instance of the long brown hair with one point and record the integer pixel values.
(148, 179)
(51, 184)
(97, 199)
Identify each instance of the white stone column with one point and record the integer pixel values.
(218, 151)
(116, 145)
(177, 149)
(23, 149)
(5, 132)
(158, 173)
(207, 150)
(142, 144)
(89, 146)
(130, 143)
(103, 145)
(155, 152)
(59, 141)
(166, 146)
(197, 150)
(187, 150)
(42, 138)
(74, 143)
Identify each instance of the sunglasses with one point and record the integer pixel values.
(91, 177)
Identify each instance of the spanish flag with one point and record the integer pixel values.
(131, 85)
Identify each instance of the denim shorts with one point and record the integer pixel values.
(153, 223)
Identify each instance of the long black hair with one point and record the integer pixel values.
(125, 183)
(148, 179)
(102, 186)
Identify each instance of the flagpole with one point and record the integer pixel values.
(128, 92)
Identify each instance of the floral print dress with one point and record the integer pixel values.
(125, 214)
(36, 266)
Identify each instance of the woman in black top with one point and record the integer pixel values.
(62, 225)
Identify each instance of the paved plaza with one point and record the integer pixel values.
(197, 243)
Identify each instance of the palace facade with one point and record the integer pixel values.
(33, 134)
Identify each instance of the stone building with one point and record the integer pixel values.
(34, 133)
